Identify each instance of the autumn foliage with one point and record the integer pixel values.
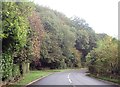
(36, 37)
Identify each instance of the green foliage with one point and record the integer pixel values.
(58, 41)
(15, 34)
(85, 37)
(48, 39)
(16, 72)
(62, 35)
(103, 60)
(14, 25)
(7, 66)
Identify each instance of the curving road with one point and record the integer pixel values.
(72, 78)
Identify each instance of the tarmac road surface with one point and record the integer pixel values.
(72, 78)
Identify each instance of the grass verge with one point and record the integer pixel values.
(33, 75)
(105, 78)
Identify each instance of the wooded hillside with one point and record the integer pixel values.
(36, 37)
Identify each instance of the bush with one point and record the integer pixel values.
(16, 72)
(7, 66)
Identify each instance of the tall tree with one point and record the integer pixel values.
(36, 38)
(15, 28)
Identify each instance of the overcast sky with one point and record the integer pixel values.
(101, 15)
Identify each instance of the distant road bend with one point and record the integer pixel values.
(73, 78)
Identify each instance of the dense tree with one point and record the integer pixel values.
(106, 54)
(60, 39)
(36, 37)
(48, 39)
(15, 31)
(85, 37)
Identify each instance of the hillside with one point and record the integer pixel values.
(36, 37)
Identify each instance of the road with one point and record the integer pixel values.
(72, 78)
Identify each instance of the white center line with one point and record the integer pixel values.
(69, 78)
(70, 81)
(68, 75)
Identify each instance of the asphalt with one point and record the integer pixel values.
(72, 78)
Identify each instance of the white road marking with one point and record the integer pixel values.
(68, 75)
(69, 78)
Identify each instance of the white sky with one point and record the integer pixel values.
(101, 15)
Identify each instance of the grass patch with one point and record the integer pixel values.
(57, 70)
(105, 78)
(33, 75)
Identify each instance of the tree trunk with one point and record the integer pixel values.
(27, 67)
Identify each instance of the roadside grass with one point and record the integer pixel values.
(33, 75)
(117, 81)
(57, 70)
